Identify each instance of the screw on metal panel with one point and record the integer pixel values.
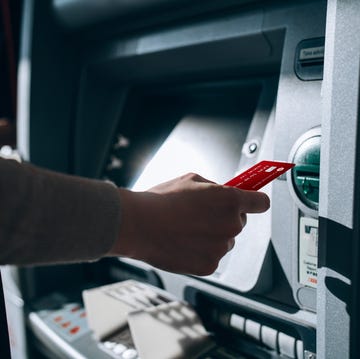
(309, 355)
(250, 148)
(121, 142)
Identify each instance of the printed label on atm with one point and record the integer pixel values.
(308, 251)
(259, 175)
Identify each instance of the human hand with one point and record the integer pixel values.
(185, 225)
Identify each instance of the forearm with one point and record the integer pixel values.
(46, 217)
(184, 225)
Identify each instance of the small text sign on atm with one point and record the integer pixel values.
(312, 53)
(308, 251)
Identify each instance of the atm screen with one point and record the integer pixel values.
(172, 131)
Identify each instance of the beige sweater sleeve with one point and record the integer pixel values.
(46, 217)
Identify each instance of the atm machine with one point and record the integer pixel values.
(140, 92)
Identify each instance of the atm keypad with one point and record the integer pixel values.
(69, 321)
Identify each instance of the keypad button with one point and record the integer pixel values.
(119, 348)
(286, 345)
(74, 330)
(109, 345)
(130, 354)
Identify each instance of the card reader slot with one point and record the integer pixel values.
(318, 62)
(308, 174)
(307, 178)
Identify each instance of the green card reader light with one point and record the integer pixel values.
(306, 173)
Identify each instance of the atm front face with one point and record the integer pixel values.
(209, 90)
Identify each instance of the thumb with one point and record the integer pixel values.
(252, 201)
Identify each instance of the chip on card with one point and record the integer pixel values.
(259, 175)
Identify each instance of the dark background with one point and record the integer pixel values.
(9, 53)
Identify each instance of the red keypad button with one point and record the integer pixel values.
(74, 330)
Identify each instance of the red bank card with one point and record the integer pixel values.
(259, 175)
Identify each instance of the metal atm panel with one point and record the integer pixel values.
(174, 89)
